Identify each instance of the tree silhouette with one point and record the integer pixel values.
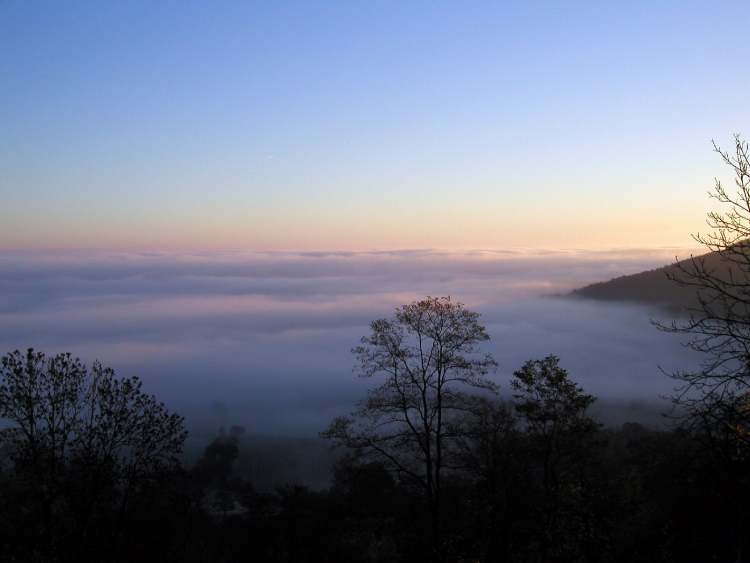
(491, 444)
(428, 355)
(714, 400)
(718, 325)
(82, 445)
(553, 409)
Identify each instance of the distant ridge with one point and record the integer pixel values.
(651, 287)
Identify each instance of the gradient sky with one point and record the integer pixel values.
(360, 125)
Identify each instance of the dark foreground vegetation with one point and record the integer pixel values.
(91, 473)
(433, 464)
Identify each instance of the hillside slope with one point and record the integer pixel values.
(650, 287)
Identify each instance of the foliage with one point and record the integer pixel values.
(82, 445)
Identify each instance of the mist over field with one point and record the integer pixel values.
(264, 339)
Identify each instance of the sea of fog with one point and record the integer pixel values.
(264, 339)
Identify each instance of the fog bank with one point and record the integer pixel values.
(263, 339)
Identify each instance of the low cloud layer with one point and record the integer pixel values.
(264, 338)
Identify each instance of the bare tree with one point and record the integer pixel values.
(718, 323)
(428, 355)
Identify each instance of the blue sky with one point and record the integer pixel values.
(360, 125)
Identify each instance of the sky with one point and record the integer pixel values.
(364, 125)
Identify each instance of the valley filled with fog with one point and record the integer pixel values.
(263, 339)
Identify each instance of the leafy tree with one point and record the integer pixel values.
(82, 445)
(428, 356)
(492, 449)
(215, 466)
(553, 407)
(561, 435)
(220, 490)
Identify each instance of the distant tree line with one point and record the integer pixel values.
(434, 465)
